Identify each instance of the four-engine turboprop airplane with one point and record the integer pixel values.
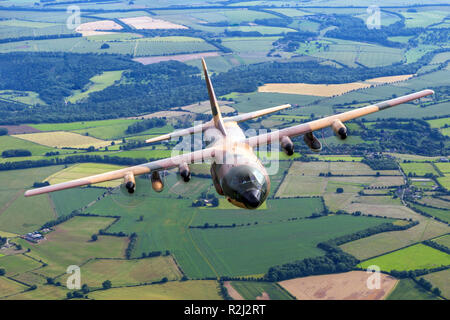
(236, 171)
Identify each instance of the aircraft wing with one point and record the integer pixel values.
(329, 121)
(122, 173)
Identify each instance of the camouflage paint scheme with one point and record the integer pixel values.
(236, 171)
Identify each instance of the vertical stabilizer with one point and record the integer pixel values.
(215, 109)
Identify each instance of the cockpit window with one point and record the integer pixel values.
(242, 180)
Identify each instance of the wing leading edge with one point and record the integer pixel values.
(168, 163)
(328, 121)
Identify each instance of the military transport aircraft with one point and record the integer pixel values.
(236, 171)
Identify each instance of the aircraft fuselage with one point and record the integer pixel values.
(236, 171)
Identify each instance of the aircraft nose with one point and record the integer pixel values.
(252, 198)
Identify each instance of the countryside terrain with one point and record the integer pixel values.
(80, 101)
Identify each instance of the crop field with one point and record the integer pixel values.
(440, 279)
(419, 169)
(261, 29)
(90, 28)
(444, 167)
(445, 181)
(288, 241)
(277, 210)
(42, 293)
(259, 290)
(191, 290)
(388, 241)
(435, 202)
(72, 126)
(127, 272)
(97, 83)
(139, 47)
(62, 139)
(407, 289)
(146, 22)
(342, 286)
(70, 244)
(418, 256)
(17, 264)
(423, 18)
(250, 44)
(444, 240)
(9, 287)
(82, 170)
(10, 142)
(66, 201)
(17, 213)
(435, 212)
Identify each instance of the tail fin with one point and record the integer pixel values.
(217, 116)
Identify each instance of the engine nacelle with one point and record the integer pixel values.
(312, 142)
(157, 183)
(339, 129)
(287, 145)
(185, 173)
(130, 182)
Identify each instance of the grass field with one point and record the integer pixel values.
(72, 126)
(435, 212)
(9, 142)
(97, 83)
(440, 280)
(435, 202)
(42, 293)
(61, 139)
(70, 244)
(407, 289)
(260, 290)
(137, 47)
(9, 287)
(444, 240)
(17, 213)
(82, 170)
(127, 272)
(66, 201)
(418, 256)
(17, 264)
(191, 290)
(288, 241)
(420, 169)
(445, 181)
(378, 244)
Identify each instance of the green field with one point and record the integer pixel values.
(419, 169)
(127, 272)
(407, 289)
(136, 48)
(418, 256)
(17, 264)
(191, 290)
(444, 240)
(82, 170)
(97, 83)
(285, 242)
(9, 287)
(252, 290)
(70, 244)
(66, 201)
(72, 126)
(435, 212)
(9, 142)
(17, 213)
(440, 280)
